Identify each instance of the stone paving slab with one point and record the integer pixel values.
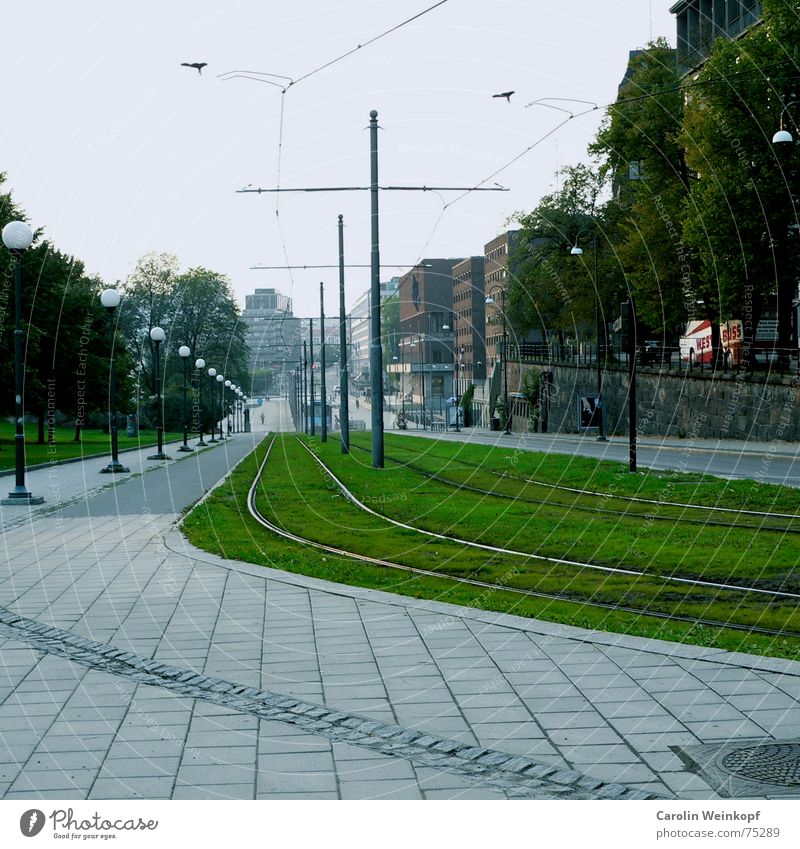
(580, 702)
(506, 702)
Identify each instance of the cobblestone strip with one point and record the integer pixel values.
(516, 775)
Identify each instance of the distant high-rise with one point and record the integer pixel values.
(273, 333)
(359, 330)
(495, 274)
(426, 333)
(469, 323)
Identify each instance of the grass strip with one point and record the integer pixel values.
(605, 477)
(93, 443)
(221, 524)
(723, 555)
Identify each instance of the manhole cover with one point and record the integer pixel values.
(774, 763)
(747, 768)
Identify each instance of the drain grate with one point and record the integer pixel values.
(747, 768)
(773, 763)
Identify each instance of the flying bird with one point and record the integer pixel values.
(198, 65)
(506, 94)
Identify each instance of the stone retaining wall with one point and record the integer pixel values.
(731, 405)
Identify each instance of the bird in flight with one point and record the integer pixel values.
(506, 94)
(198, 65)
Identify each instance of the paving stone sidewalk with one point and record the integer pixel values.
(577, 703)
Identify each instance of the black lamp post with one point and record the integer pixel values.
(200, 364)
(212, 373)
(110, 299)
(412, 345)
(157, 336)
(226, 408)
(17, 237)
(184, 352)
(576, 251)
(403, 377)
(221, 381)
(504, 361)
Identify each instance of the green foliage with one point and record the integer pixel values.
(297, 501)
(741, 202)
(195, 308)
(390, 327)
(66, 332)
(640, 139)
(554, 291)
(701, 222)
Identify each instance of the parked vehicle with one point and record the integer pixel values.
(695, 344)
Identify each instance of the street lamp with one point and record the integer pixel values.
(403, 377)
(421, 375)
(503, 362)
(110, 299)
(157, 336)
(212, 373)
(577, 251)
(220, 381)
(783, 136)
(17, 237)
(227, 414)
(200, 364)
(184, 352)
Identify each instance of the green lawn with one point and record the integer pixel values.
(297, 495)
(610, 480)
(93, 443)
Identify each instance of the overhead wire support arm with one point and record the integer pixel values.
(347, 265)
(259, 191)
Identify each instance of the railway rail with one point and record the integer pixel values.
(559, 597)
(713, 523)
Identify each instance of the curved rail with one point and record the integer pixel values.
(614, 570)
(638, 611)
(654, 502)
(707, 523)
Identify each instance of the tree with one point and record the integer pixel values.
(147, 302)
(640, 148)
(66, 334)
(67, 357)
(550, 289)
(195, 308)
(741, 220)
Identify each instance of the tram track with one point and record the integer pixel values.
(594, 493)
(626, 514)
(485, 585)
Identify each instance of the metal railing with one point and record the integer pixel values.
(776, 362)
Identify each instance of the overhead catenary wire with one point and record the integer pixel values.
(289, 82)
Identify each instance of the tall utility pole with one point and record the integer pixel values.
(322, 387)
(311, 378)
(375, 357)
(344, 390)
(305, 387)
(375, 353)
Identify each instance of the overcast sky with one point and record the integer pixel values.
(117, 150)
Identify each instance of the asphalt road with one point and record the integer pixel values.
(169, 489)
(774, 463)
